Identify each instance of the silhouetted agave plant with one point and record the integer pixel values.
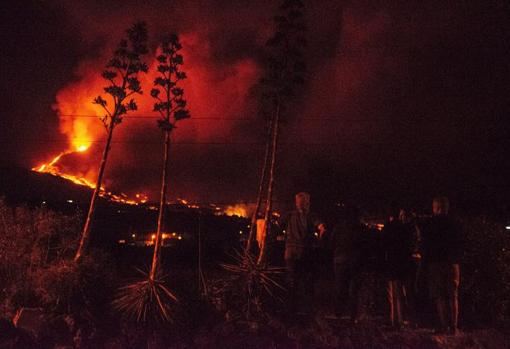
(254, 281)
(150, 299)
(147, 300)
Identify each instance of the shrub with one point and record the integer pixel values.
(485, 284)
(37, 270)
(30, 240)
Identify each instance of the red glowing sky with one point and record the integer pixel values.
(402, 97)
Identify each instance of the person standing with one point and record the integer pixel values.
(391, 236)
(400, 251)
(411, 242)
(365, 271)
(442, 252)
(300, 228)
(343, 242)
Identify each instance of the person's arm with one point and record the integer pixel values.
(416, 243)
(322, 230)
(383, 242)
(283, 221)
(326, 239)
(319, 225)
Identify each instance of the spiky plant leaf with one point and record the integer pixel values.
(258, 283)
(146, 300)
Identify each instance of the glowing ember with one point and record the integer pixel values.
(142, 198)
(187, 204)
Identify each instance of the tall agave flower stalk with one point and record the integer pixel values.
(260, 194)
(150, 299)
(122, 74)
(171, 105)
(269, 199)
(284, 70)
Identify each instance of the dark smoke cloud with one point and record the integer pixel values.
(409, 96)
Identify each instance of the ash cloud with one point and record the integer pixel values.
(389, 81)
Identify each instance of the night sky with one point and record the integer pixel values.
(403, 100)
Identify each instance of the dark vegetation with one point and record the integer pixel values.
(36, 272)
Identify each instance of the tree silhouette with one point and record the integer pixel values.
(149, 300)
(121, 73)
(171, 105)
(260, 193)
(285, 69)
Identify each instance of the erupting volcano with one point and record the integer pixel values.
(76, 164)
(54, 169)
(216, 91)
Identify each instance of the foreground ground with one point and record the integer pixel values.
(204, 322)
(317, 332)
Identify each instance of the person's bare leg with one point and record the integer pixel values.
(397, 301)
(441, 315)
(341, 290)
(454, 315)
(409, 298)
(356, 303)
(454, 299)
(390, 300)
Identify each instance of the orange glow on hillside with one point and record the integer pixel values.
(52, 168)
(227, 86)
(237, 210)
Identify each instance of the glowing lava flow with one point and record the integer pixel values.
(239, 210)
(52, 169)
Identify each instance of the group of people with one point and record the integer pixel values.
(407, 255)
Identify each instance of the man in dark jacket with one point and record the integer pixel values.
(400, 247)
(343, 242)
(442, 250)
(302, 231)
